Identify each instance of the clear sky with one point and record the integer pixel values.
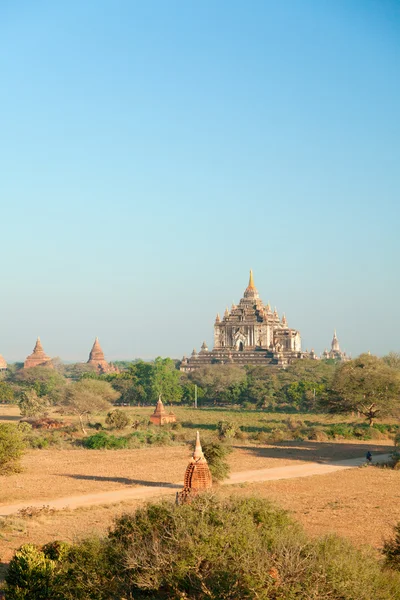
(153, 152)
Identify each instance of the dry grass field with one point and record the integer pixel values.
(360, 504)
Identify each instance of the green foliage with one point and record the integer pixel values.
(30, 575)
(166, 380)
(7, 393)
(32, 405)
(12, 445)
(43, 380)
(87, 396)
(367, 385)
(226, 429)
(216, 454)
(210, 549)
(391, 549)
(103, 440)
(221, 383)
(117, 419)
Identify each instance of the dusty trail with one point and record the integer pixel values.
(150, 491)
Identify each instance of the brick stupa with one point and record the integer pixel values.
(160, 415)
(197, 475)
(38, 358)
(97, 360)
(3, 364)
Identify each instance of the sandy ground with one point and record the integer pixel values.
(150, 489)
(52, 473)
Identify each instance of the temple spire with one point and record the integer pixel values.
(251, 290)
(198, 450)
(251, 281)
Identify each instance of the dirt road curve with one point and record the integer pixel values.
(151, 491)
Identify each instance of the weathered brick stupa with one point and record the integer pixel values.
(38, 358)
(97, 360)
(3, 364)
(160, 415)
(197, 476)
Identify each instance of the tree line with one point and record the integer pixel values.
(367, 385)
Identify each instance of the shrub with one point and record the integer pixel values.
(226, 429)
(30, 575)
(11, 448)
(102, 440)
(32, 405)
(391, 550)
(215, 454)
(210, 549)
(117, 419)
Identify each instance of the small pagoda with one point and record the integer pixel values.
(3, 364)
(97, 360)
(197, 475)
(160, 416)
(38, 358)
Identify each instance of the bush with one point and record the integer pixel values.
(102, 440)
(30, 575)
(117, 419)
(391, 550)
(210, 549)
(11, 448)
(226, 429)
(215, 454)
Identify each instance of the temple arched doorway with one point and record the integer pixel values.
(241, 347)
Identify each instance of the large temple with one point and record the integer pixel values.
(250, 334)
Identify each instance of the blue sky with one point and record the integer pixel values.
(153, 152)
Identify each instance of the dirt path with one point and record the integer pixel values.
(148, 491)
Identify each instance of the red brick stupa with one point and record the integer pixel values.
(96, 359)
(38, 358)
(197, 476)
(160, 415)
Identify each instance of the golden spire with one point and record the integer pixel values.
(251, 281)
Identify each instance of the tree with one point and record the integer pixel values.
(117, 419)
(86, 397)
(221, 383)
(166, 380)
(32, 405)
(392, 360)
(11, 447)
(7, 392)
(45, 381)
(367, 385)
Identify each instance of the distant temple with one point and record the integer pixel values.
(38, 358)
(3, 364)
(197, 475)
(160, 415)
(97, 360)
(335, 351)
(249, 334)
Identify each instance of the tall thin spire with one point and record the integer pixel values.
(198, 450)
(251, 281)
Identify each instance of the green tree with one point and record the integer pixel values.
(32, 405)
(45, 381)
(86, 397)
(366, 385)
(12, 445)
(221, 383)
(117, 419)
(7, 393)
(166, 380)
